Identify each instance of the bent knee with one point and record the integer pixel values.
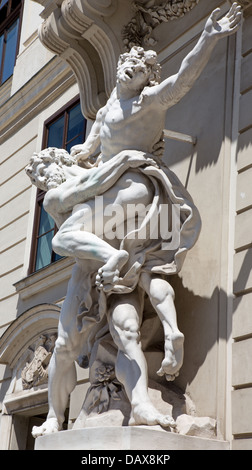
(65, 349)
(125, 331)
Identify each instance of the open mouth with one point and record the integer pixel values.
(129, 73)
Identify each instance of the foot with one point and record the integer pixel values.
(49, 426)
(173, 359)
(146, 413)
(108, 275)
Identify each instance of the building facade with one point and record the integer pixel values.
(57, 68)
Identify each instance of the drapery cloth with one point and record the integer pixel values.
(147, 253)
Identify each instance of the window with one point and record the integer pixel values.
(10, 16)
(63, 130)
(66, 130)
(45, 231)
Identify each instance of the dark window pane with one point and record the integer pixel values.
(76, 141)
(1, 48)
(46, 222)
(44, 250)
(55, 133)
(75, 123)
(14, 4)
(2, 3)
(10, 51)
(56, 256)
(64, 132)
(44, 246)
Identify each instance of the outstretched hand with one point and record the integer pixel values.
(227, 25)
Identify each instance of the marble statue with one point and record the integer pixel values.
(104, 210)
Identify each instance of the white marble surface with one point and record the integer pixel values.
(124, 438)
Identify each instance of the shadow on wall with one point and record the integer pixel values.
(204, 322)
(205, 112)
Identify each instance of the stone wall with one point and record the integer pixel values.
(242, 319)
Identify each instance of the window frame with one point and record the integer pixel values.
(10, 19)
(35, 234)
(62, 111)
(40, 194)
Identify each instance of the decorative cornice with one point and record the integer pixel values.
(75, 18)
(102, 7)
(76, 31)
(49, 37)
(138, 32)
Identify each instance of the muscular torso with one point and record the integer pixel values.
(134, 124)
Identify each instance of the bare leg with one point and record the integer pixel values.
(161, 296)
(62, 372)
(131, 367)
(62, 380)
(86, 245)
(82, 234)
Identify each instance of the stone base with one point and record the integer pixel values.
(125, 438)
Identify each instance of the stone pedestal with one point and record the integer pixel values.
(125, 438)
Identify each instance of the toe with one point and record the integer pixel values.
(170, 422)
(169, 377)
(160, 372)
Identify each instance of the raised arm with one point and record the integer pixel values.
(171, 90)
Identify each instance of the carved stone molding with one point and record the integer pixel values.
(102, 7)
(148, 16)
(38, 321)
(76, 31)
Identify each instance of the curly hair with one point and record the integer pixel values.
(39, 161)
(147, 58)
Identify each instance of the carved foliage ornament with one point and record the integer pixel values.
(148, 16)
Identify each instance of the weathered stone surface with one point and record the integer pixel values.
(124, 438)
(196, 426)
